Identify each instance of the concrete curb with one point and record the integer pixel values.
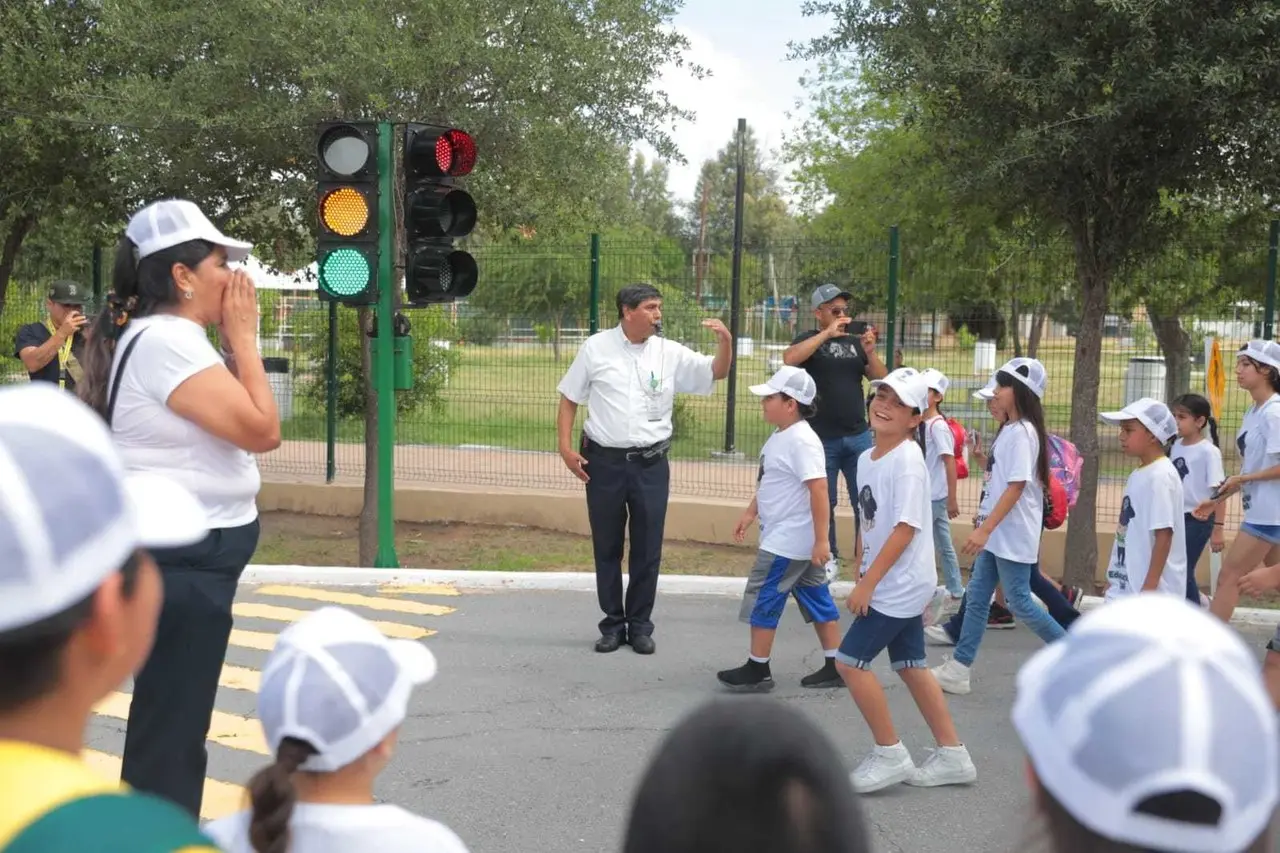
(574, 582)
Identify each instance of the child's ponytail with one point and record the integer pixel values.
(1213, 430)
(273, 796)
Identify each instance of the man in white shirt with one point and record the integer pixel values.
(628, 377)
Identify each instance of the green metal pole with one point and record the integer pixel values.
(595, 283)
(892, 319)
(331, 397)
(1273, 249)
(386, 558)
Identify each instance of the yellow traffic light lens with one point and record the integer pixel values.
(344, 211)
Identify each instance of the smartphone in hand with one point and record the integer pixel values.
(856, 327)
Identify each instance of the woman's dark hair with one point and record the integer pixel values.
(1198, 407)
(31, 656)
(735, 777)
(139, 289)
(273, 796)
(1030, 408)
(1273, 375)
(1068, 835)
(633, 294)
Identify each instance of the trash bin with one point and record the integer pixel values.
(1144, 377)
(277, 370)
(984, 358)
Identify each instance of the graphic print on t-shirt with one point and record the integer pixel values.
(986, 485)
(867, 508)
(1245, 502)
(1126, 516)
(1180, 465)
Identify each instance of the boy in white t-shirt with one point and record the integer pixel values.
(1149, 553)
(897, 580)
(793, 507)
(334, 693)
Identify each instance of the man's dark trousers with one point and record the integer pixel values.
(624, 487)
(174, 694)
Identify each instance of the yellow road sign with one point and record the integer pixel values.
(1215, 379)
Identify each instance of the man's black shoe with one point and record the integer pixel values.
(608, 643)
(643, 644)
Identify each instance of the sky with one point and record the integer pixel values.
(743, 43)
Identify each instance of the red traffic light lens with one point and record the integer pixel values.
(455, 153)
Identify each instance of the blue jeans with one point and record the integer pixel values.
(946, 549)
(1041, 587)
(1198, 533)
(988, 570)
(842, 458)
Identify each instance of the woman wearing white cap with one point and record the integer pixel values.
(179, 408)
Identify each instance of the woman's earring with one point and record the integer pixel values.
(189, 294)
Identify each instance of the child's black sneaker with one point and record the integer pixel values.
(751, 677)
(825, 677)
(999, 618)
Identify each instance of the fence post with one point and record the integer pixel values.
(1273, 248)
(595, 283)
(97, 276)
(891, 320)
(331, 396)
(735, 290)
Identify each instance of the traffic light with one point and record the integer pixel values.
(436, 212)
(347, 197)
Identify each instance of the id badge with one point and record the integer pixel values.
(653, 405)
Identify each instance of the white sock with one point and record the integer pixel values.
(831, 653)
(758, 660)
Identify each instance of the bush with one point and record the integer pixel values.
(432, 364)
(480, 330)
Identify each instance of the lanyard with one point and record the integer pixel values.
(64, 354)
(651, 386)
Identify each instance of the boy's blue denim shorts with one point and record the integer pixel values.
(869, 635)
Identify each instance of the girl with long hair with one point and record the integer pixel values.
(1199, 464)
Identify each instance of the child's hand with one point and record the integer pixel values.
(1217, 540)
(976, 542)
(740, 530)
(821, 553)
(1204, 510)
(953, 508)
(859, 600)
(1261, 580)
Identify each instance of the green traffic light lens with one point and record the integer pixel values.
(345, 272)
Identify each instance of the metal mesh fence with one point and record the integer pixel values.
(483, 406)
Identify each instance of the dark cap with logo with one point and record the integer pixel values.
(68, 293)
(826, 292)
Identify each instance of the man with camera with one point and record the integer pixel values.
(51, 350)
(839, 354)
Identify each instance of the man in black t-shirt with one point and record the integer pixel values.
(838, 363)
(51, 351)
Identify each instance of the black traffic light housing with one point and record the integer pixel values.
(437, 212)
(347, 211)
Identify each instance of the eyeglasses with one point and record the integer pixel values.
(839, 312)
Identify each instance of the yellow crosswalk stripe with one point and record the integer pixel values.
(421, 589)
(352, 599)
(220, 798)
(229, 730)
(250, 610)
(239, 678)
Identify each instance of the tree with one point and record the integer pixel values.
(651, 198)
(1082, 113)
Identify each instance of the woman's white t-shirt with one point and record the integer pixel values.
(1012, 459)
(893, 490)
(1259, 444)
(790, 458)
(152, 437)
(939, 441)
(1152, 501)
(1200, 467)
(325, 828)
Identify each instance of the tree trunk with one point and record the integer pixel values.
(368, 529)
(1175, 343)
(18, 232)
(1082, 541)
(1015, 322)
(556, 325)
(1037, 330)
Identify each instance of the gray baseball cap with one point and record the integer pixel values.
(826, 292)
(66, 292)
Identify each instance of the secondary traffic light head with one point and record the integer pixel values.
(347, 199)
(436, 212)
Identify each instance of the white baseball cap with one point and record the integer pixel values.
(334, 681)
(1029, 371)
(986, 392)
(795, 382)
(910, 386)
(1264, 352)
(164, 224)
(70, 516)
(1145, 696)
(936, 380)
(1152, 414)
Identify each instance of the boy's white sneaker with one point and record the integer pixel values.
(953, 677)
(933, 610)
(831, 570)
(938, 635)
(946, 765)
(883, 766)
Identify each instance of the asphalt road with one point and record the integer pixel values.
(529, 740)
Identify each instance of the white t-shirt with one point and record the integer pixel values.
(1012, 459)
(1152, 501)
(630, 388)
(790, 458)
(1259, 444)
(939, 441)
(324, 828)
(152, 437)
(893, 490)
(1200, 467)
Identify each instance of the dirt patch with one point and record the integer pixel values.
(310, 540)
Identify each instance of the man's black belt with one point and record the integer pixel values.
(647, 455)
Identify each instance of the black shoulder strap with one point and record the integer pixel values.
(114, 388)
